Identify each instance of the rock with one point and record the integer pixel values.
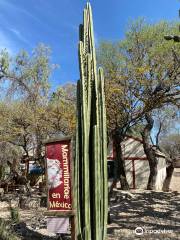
(4, 205)
(34, 203)
(1, 192)
(14, 203)
(122, 195)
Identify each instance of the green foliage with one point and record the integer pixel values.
(5, 232)
(170, 143)
(30, 113)
(141, 73)
(9, 155)
(4, 63)
(62, 110)
(15, 215)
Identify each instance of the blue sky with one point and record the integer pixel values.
(25, 23)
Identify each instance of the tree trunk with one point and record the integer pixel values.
(167, 181)
(152, 175)
(119, 168)
(150, 153)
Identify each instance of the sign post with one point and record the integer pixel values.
(59, 185)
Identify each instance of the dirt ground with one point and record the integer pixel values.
(147, 215)
(154, 215)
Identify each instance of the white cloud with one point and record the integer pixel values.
(6, 43)
(18, 34)
(16, 8)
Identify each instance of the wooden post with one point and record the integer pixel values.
(73, 229)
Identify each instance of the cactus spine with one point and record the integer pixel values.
(90, 193)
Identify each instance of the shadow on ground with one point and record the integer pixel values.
(26, 233)
(156, 213)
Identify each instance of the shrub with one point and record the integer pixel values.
(14, 214)
(5, 232)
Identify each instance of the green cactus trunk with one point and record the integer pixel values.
(90, 192)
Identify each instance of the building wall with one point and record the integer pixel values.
(136, 164)
(175, 181)
(133, 148)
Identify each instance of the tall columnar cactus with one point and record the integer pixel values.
(91, 142)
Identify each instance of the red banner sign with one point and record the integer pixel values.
(58, 175)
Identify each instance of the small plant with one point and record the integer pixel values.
(14, 215)
(5, 233)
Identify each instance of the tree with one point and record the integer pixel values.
(27, 77)
(61, 110)
(171, 144)
(141, 74)
(9, 157)
(149, 151)
(162, 120)
(15, 124)
(29, 112)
